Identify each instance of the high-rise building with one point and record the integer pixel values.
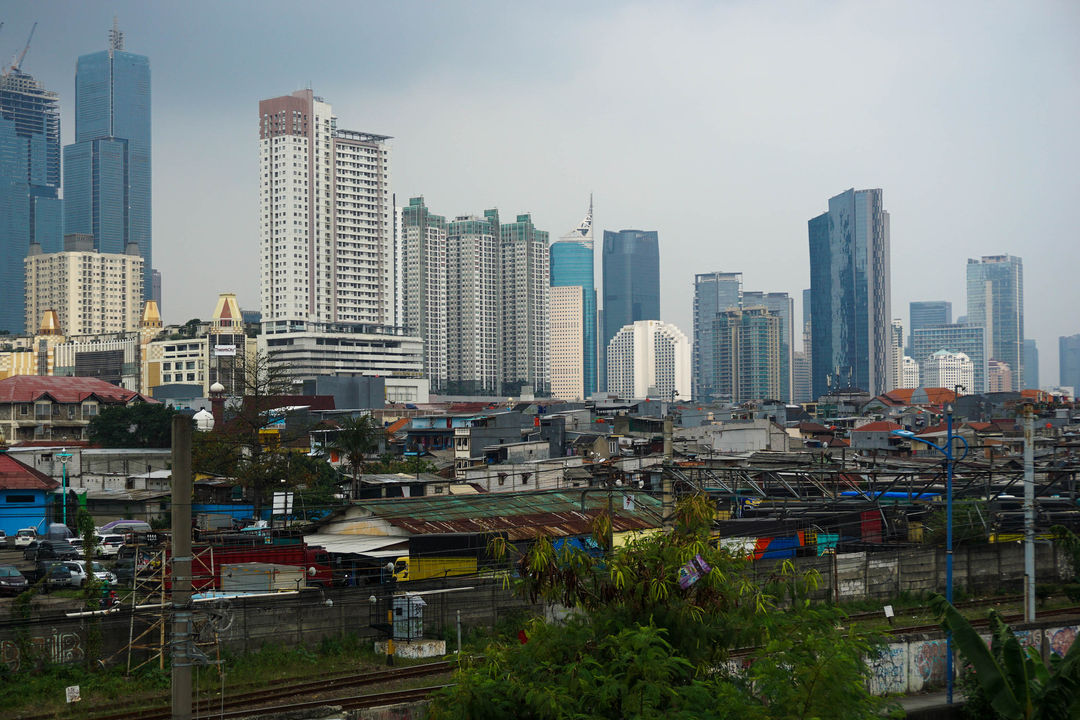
(155, 290)
(572, 265)
(107, 173)
(92, 292)
(30, 209)
(999, 376)
(897, 336)
(1069, 361)
(800, 364)
(995, 300)
(928, 313)
(747, 354)
(807, 322)
(851, 294)
(649, 357)
(326, 216)
(424, 286)
(956, 338)
(714, 293)
(1031, 364)
(474, 323)
(523, 259)
(944, 369)
(782, 306)
(631, 273)
(909, 373)
(567, 342)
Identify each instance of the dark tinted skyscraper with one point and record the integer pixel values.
(930, 313)
(850, 291)
(107, 169)
(631, 268)
(30, 210)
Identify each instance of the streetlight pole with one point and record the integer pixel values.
(64, 456)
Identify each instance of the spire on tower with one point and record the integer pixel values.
(116, 38)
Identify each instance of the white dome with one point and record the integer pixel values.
(217, 388)
(204, 421)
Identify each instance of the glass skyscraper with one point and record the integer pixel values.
(714, 293)
(1069, 362)
(955, 338)
(30, 208)
(1031, 364)
(995, 300)
(107, 169)
(631, 270)
(572, 265)
(850, 290)
(782, 306)
(928, 313)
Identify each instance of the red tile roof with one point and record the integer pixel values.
(16, 476)
(397, 425)
(879, 426)
(934, 429)
(28, 388)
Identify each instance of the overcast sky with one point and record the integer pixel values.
(724, 126)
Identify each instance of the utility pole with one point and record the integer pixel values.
(668, 494)
(1029, 514)
(181, 567)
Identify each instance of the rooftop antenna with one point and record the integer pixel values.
(17, 60)
(116, 38)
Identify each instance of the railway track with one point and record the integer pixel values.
(877, 614)
(983, 622)
(247, 703)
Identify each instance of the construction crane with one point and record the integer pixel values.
(17, 60)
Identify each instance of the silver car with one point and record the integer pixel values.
(78, 572)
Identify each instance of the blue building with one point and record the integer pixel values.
(631, 270)
(995, 301)
(850, 291)
(1031, 364)
(572, 266)
(714, 293)
(30, 208)
(26, 496)
(107, 169)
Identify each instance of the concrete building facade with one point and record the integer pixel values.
(649, 355)
(567, 342)
(525, 283)
(424, 286)
(946, 369)
(747, 354)
(474, 325)
(967, 339)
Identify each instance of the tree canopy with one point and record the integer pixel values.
(139, 425)
(646, 639)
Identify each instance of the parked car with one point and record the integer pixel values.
(78, 572)
(109, 545)
(25, 536)
(124, 526)
(50, 550)
(12, 581)
(56, 575)
(77, 543)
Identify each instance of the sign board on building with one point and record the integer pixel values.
(283, 503)
(224, 351)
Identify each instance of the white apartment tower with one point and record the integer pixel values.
(944, 369)
(524, 264)
(474, 328)
(423, 291)
(909, 373)
(649, 354)
(326, 218)
(567, 342)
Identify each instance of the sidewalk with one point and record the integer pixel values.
(931, 706)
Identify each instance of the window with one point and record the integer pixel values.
(20, 498)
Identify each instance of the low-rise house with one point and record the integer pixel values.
(55, 408)
(26, 496)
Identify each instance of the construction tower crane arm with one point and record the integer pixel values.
(17, 61)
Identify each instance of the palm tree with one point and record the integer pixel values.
(1017, 684)
(357, 438)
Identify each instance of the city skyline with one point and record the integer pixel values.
(954, 153)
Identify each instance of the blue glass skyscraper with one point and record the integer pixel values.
(631, 268)
(850, 295)
(30, 208)
(995, 300)
(572, 266)
(107, 169)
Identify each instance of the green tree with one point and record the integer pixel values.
(139, 425)
(1016, 683)
(638, 644)
(357, 438)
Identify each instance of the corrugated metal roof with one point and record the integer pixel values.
(519, 515)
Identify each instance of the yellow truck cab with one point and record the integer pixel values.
(421, 568)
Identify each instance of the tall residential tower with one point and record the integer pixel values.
(714, 293)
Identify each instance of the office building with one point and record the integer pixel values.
(807, 322)
(909, 373)
(91, 292)
(850, 290)
(107, 170)
(474, 324)
(747, 354)
(714, 293)
(999, 376)
(524, 264)
(1031, 364)
(967, 339)
(155, 290)
(30, 208)
(783, 307)
(572, 266)
(897, 335)
(567, 342)
(927, 313)
(800, 364)
(326, 233)
(424, 286)
(995, 300)
(649, 358)
(1069, 361)
(944, 369)
(631, 274)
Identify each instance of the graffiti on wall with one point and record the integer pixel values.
(929, 660)
(887, 671)
(1062, 639)
(57, 647)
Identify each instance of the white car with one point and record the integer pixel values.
(109, 545)
(25, 536)
(78, 572)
